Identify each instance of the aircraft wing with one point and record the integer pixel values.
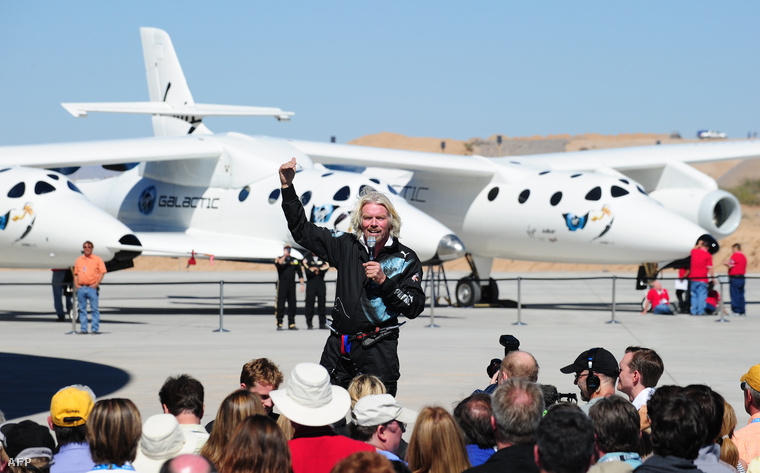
(621, 159)
(330, 153)
(209, 244)
(110, 152)
(643, 157)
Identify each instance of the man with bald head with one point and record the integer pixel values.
(187, 463)
(516, 364)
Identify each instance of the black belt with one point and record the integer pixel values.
(367, 338)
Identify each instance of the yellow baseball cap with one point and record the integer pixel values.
(71, 406)
(752, 377)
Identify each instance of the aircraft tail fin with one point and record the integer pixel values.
(173, 110)
(167, 84)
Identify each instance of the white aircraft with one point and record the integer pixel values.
(217, 193)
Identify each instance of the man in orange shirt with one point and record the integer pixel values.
(747, 439)
(89, 270)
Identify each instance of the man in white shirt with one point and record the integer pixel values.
(640, 370)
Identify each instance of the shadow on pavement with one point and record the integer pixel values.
(29, 382)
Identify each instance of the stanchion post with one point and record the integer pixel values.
(221, 308)
(613, 321)
(431, 272)
(519, 304)
(721, 306)
(74, 314)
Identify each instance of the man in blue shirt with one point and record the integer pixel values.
(69, 410)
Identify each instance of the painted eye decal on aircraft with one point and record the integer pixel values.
(24, 216)
(147, 200)
(322, 214)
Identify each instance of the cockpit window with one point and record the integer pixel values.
(393, 191)
(43, 187)
(543, 172)
(17, 191)
(493, 193)
(73, 187)
(594, 194)
(364, 189)
(523, 197)
(375, 180)
(625, 181)
(617, 191)
(575, 175)
(244, 193)
(343, 193)
(305, 197)
(274, 195)
(555, 198)
(641, 190)
(53, 177)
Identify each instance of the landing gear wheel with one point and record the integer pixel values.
(491, 292)
(467, 292)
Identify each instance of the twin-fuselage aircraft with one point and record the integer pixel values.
(190, 191)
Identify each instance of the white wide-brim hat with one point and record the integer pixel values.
(162, 438)
(309, 398)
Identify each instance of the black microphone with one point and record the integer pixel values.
(371, 246)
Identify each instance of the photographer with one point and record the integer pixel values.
(596, 371)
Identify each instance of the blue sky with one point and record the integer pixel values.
(445, 69)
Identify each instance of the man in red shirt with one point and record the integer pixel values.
(658, 300)
(312, 405)
(737, 266)
(701, 266)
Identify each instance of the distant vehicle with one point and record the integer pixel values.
(711, 135)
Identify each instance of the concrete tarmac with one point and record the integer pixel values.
(157, 329)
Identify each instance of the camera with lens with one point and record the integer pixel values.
(510, 343)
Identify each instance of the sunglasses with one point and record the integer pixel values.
(578, 376)
(743, 385)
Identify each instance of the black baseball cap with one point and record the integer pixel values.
(602, 362)
(27, 439)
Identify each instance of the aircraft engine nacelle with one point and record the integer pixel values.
(717, 211)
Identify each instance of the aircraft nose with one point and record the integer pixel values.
(450, 247)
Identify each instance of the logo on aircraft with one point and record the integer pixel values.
(322, 214)
(575, 222)
(591, 219)
(147, 200)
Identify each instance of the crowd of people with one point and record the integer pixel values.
(309, 425)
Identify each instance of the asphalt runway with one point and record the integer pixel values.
(164, 325)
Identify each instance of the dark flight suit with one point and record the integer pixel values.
(286, 289)
(315, 289)
(364, 336)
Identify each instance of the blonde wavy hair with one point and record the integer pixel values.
(437, 445)
(728, 451)
(363, 385)
(374, 197)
